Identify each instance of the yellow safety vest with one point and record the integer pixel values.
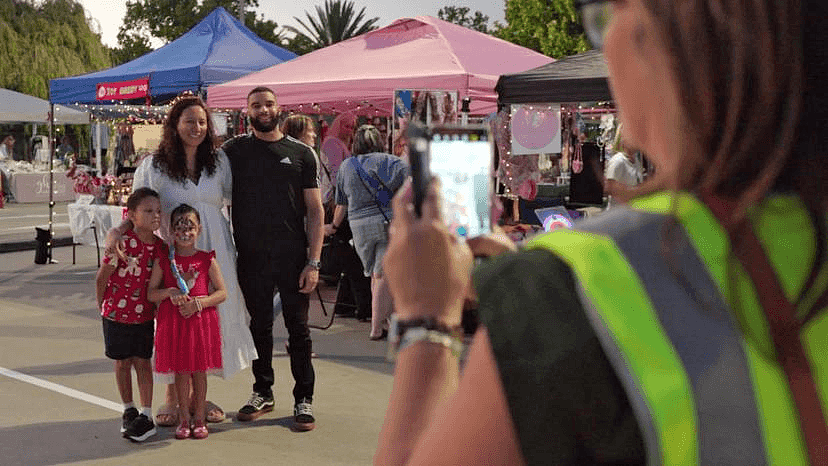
(683, 329)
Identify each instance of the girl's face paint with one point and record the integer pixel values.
(185, 229)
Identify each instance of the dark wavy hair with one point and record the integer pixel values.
(170, 157)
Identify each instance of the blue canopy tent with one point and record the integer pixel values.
(217, 49)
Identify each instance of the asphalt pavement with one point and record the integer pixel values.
(18, 223)
(59, 402)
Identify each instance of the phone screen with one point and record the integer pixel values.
(462, 159)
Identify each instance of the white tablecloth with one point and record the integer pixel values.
(103, 217)
(34, 187)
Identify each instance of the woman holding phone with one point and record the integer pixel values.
(688, 327)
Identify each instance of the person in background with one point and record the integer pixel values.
(7, 148)
(336, 148)
(364, 186)
(65, 148)
(187, 285)
(688, 327)
(6, 155)
(277, 223)
(303, 129)
(357, 293)
(128, 315)
(188, 168)
(624, 170)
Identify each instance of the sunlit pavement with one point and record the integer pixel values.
(59, 403)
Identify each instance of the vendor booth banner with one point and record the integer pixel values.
(123, 90)
(536, 129)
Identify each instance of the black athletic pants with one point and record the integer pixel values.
(260, 273)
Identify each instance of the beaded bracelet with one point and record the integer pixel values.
(405, 333)
(436, 337)
(198, 304)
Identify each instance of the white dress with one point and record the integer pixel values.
(208, 196)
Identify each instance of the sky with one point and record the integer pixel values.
(109, 14)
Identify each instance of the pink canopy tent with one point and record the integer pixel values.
(362, 73)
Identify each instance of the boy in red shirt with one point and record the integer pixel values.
(128, 316)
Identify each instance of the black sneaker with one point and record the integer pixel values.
(303, 416)
(140, 429)
(129, 415)
(255, 407)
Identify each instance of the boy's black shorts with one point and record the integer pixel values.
(124, 341)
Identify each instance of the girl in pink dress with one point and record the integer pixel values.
(187, 285)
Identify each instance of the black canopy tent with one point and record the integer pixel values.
(578, 78)
(570, 80)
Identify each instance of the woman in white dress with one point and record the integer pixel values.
(189, 168)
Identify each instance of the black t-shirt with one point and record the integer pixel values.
(567, 404)
(269, 179)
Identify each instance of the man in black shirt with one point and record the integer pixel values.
(276, 199)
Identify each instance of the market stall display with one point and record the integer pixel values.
(552, 127)
(29, 182)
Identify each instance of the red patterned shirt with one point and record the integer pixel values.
(125, 299)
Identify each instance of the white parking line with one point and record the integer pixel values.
(62, 390)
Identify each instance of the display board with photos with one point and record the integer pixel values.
(428, 106)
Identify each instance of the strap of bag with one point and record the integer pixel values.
(784, 328)
(363, 176)
(326, 169)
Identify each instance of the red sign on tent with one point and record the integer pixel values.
(123, 90)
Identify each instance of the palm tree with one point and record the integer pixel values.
(336, 22)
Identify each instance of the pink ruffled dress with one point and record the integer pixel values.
(192, 344)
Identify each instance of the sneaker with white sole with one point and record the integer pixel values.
(303, 419)
(255, 407)
(129, 415)
(140, 429)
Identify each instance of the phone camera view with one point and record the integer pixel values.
(463, 164)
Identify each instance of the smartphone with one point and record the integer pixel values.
(462, 158)
(418, 157)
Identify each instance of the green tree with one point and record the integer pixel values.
(551, 27)
(167, 20)
(42, 40)
(299, 44)
(335, 22)
(460, 15)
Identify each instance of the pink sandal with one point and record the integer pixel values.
(183, 431)
(200, 430)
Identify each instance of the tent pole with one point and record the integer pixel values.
(51, 177)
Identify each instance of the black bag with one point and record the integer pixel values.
(43, 238)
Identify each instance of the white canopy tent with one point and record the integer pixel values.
(22, 108)
(16, 107)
